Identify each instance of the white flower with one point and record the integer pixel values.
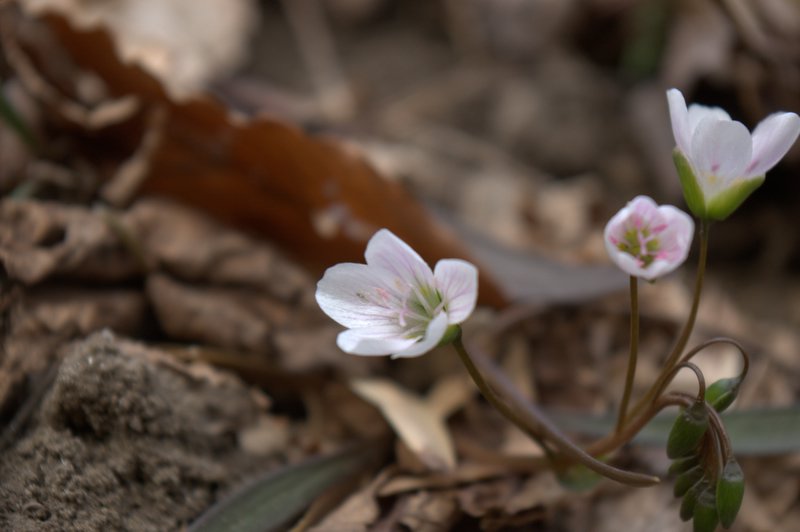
(394, 304)
(719, 161)
(646, 240)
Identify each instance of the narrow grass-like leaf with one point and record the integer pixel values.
(271, 502)
(762, 431)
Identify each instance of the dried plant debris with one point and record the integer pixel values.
(186, 44)
(122, 442)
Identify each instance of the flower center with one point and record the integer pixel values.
(641, 241)
(420, 305)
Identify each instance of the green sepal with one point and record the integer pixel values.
(723, 204)
(687, 480)
(450, 334)
(704, 516)
(722, 393)
(730, 491)
(682, 465)
(690, 500)
(692, 192)
(688, 430)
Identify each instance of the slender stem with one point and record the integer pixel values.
(724, 439)
(535, 424)
(632, 356)
(494, 399)
(683, 339)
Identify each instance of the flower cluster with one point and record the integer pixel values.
(394, 304)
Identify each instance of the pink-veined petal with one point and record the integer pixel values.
(672, 228)
(367, 342)
(679, 117)
(356, 296)
(388, 252)
(721, 151)
(457, 281)
(433, 335)
(772, 138)
(697, 113)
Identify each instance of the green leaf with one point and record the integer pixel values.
(730, 491)
(760, 431)
(688, 430)
(271, 502)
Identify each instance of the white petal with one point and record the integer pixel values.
(433, 335)
(680, 119)
(772, 138)
(627, 263)
(721, 151)
(366, 342)
(388, 252)
(697, 113)
(457, 281)
(356, 295)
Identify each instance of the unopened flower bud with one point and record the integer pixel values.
(688, 430)
(722, 393)
(705, 517)
(730, 491)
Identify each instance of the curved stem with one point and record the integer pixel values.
(701, 380)
(683, 339)
(535, 424)
(722, 340)
(632, 356)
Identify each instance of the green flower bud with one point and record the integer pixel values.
(690, 499)
(704, 517)
(687, 480)
(730, 491)
(681, 465)
(722, 393)
(688, 430)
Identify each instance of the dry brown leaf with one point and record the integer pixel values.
(418, 424)
(40, 239)
(429, 511)
(315, 197)
(234, 318)
(185, 43)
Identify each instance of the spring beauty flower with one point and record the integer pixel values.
(394, 304)
(646, 240)
(719, 162)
